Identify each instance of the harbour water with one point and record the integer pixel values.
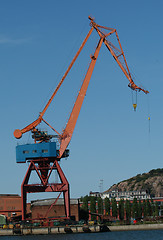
(121, 235)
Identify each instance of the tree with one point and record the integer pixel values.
(100, 205)
(84, 211)
(107, 206)
(156, 211)
(152, 208)
(114, 207)
(93, 207)
(144, 208)
(121, 209)
(148, 208)
(139, 209)
(135, 208)
(128, 209)
(161, 209)
(83, 215)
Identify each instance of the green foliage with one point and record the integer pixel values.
(93, 207)
(156, 172)
(141, 178)
(139, 182)
(100, 205)
(121, 209)
(154, 208)
(135, 208)
(114, 207)
(148, 208)
(138, 178)
(148, 188)
(140, 210)
(83, 215)
(107, 206)
(85, 202)
(144, 208)
(132, 187)
(128, 209)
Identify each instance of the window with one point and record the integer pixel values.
(25, 151)
(34, 151)
(44, 151)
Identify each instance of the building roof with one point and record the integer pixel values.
(47, 202)
(9, 195)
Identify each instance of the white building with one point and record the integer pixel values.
(94, 194)
(126, 195)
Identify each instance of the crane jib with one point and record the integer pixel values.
(117, 53)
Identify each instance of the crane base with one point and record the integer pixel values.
(44, 167)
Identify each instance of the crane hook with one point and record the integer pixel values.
(134, 106)
(134, 100)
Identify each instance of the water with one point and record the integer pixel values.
(123, 235)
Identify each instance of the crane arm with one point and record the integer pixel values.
(126, 71)
(18, 133)
(117, 53)
(68, 131)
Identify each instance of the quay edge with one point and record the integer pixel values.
(53, 230)
(138, 227)
(77, 229)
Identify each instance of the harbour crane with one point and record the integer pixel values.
(43, 154)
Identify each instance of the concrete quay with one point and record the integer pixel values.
(77, 229)
(137, 227)
(50, 230)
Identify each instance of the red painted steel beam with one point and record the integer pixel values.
(43, 170)
(56, 187)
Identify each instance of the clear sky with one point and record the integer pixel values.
(111, 142)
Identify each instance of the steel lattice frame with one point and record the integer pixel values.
(44, 168)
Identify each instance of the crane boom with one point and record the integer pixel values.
(18, 133)
(113, 49)
(68, 131)
(117, 53)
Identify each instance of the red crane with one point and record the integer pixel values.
(45, 165)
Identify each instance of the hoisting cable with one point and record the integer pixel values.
(149, 123)
(149, 118)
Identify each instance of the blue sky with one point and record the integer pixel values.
(38, 40)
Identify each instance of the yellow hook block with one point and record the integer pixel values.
(134, 106)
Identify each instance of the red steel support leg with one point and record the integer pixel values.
(24, 200)
(43, 169)
(67, 202)
(24, 193)
(65, 193)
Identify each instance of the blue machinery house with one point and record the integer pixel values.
(34, 151)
